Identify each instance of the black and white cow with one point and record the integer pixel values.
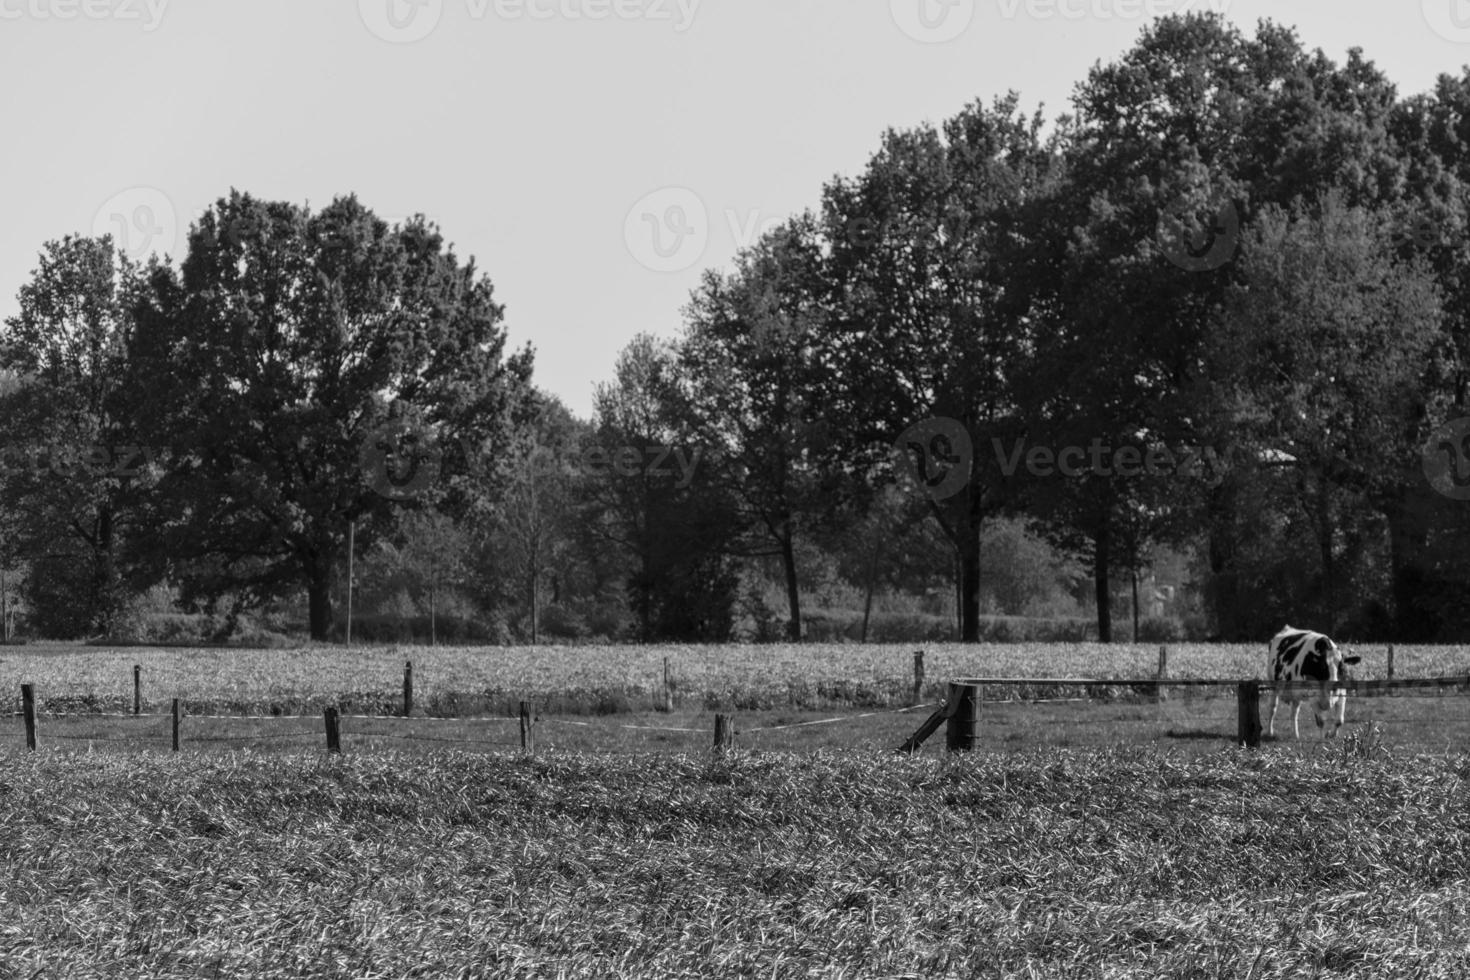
(1304, 657)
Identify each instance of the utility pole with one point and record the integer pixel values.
(351, 541)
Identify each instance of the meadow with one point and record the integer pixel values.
(587, 679)
(1057, 864)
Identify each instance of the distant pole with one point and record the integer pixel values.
(1390, 661)
(407, 688)
(137, 689)
(528, 729)
(176, 724)
(918, 675)
(28, 709)
(668, 691)
(351, 540)
(1159, 693)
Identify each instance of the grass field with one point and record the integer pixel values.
(1061, 863)
(563, 680)
(596, 699)
(1117, 837)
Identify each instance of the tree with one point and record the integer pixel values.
(744, 389)
(645, 494)
(1325, 353)
(531, 535)
(73, 463)
(925, 325)
(428, 558)
(314, 368)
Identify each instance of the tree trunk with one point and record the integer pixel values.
(869, 586)
(433, 622)
(1134, 570)
(104, 574)
(970, 584)
(531, 597)
(319, 597)
(1101, 568)
(793, 594)
(1407, 537)
(959, 597)
(1324, 542)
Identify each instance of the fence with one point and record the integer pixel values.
(962, 714)
(960, 711)
(332, 729)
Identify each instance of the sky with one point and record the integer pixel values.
(593, 156)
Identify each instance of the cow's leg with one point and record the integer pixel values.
(1275, 700)
(1296, 715)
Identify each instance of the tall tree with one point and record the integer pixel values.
(1325, 353)
(295, 362)
(745, 390)
(645, 494)
(924, 323)
(72, 482)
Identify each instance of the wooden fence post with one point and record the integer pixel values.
(1390, 661)
(1160, 693)
(528, 731)
(176, 724)
(962, 730)
(1248, 713)
(334, 733)
(28, 709)
(724, 735)
(918, 675)
(407, 688)
(668, 691)
(137, 689)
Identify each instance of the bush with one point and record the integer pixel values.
(1160, 630)
(561, 623)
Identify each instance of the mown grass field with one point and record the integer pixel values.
(1057, 864)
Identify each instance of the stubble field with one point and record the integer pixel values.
(1112, 839)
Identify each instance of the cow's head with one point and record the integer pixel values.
(1336, 707)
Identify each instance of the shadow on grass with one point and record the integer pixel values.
(1197, 735)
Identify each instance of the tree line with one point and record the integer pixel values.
(1219, 309)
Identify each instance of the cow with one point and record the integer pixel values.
(1301, 656)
